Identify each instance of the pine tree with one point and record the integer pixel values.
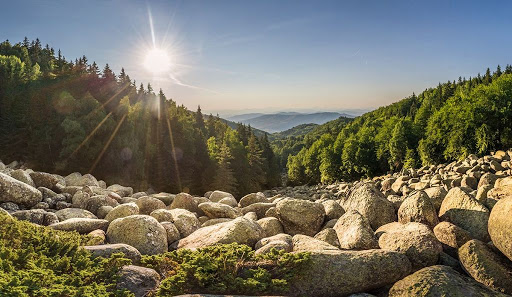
(398, 145)
(199, 118)
(224, 177)
(254, 157)
(108, 74)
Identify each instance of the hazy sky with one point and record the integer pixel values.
(277, 55)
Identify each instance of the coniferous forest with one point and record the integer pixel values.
(62, 116)
(445, 123)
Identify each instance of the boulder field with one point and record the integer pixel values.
(438, 230)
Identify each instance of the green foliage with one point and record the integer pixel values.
(64, 117)
(225, 269)
(441, 124)
(40, 261)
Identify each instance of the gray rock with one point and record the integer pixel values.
(333, 210)
(43, 179)
(328, 235)
(120, 190)
(260, 208)
(485, 266)
(185, 201)
(354, 232)
(122, 211)
(371, 204)
(23, 176)
(148, 204)
(436, 195)
(70, 213)
(172, 232)
(106, 250)
(36, 216)
(451, 235)
(185, 221)
(138, 280)
(341, 273)
(239, 230)
(300, 216)
(418, 208)
(415, 240)
(440, 281)
(162, 215)
(216, 196)
(463, 210)
(253, 198)
(304, 243)
(12, 190)
(217, 210)
(143, 232)
(81, 225)
(271, 226)
(500, 222)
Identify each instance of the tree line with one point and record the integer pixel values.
(444, 123)
(64, 116)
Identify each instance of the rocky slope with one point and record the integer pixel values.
(442, 230)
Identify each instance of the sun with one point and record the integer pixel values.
(157, 61)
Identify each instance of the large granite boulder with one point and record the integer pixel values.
(418, 207)
(240, 230)
(12, 190)
(371, 204)
(106, 250)
(142, 232)
(415, 240)
(36, 216)
(485, 266)
(81, 225)
(185, 221)
(341, 273)
(440, 280)
(138, 280)
(354, 232)
(70, 213)
(500, 226)
(300, 216)
(218, 210)
(122, 210)
(148, 204)
(461, 209)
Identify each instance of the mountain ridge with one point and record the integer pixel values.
(282, 121)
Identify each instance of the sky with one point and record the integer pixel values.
(245, 56)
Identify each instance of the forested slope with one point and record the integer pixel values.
(441, 124)
(64, 116)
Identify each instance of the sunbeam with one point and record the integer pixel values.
(90, 135)
(105, 147)
(174, 153)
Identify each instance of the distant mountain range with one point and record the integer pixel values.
(282, 121)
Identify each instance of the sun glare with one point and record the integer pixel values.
(157, 61)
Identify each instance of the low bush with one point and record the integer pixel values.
(225, 269)
(40, 261)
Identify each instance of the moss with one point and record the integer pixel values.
(40, 261)
(225, 269)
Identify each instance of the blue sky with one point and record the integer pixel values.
(277, 55)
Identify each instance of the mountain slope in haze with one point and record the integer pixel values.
(286, 120)
(441, 124)
(299, 130)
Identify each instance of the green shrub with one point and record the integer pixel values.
(225, 269)
(40, 261)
